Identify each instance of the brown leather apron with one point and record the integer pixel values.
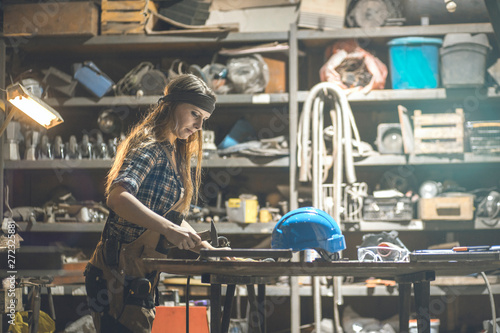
(135, 317)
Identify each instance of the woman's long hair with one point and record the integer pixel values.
(154, 128)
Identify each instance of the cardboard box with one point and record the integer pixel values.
(51, 19)
(322, 14)
(277, 75)
(261, 19)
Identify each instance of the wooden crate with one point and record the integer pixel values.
(51, 19)
(460, 208)
(438, 133)
(124, 17)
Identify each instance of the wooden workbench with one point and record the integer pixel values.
(242, 272)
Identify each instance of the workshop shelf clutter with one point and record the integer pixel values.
(448, 139)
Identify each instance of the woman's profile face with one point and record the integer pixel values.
(188, 120)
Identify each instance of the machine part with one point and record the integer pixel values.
(399, 178)
(59, 82)
(143, 80)
(490, 205)
(248, 74)
(209, 147)
(109, 122)
(73, 151)
(430, 189)
(112, 147)
(309, 228)
(101, 148)
(45, 149)
(389, 139)
(397, 209)
(11, 143)
(32, 140)
(374, 13)
(87, 148)
(437, 12)
(59, 148)
(33, 86)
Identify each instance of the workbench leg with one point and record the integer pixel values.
(422, 291)
(215, 308)
(228, 305)
(261, 299)
(253, 316)
(404, 306)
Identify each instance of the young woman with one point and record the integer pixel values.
(149, 190)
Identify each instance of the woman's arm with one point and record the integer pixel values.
(131, 209)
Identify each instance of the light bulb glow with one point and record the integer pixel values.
(34, 110)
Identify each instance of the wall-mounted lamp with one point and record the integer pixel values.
(32, 106)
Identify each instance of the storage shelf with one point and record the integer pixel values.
(148, 43)
(132, 101)
(230, 162)
(388, 160)
(408, 95)
(223, 228)
(358, 98)
(314, 37)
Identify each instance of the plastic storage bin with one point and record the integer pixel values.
(463, 60)
(414, 62)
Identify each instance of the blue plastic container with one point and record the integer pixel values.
(414, 62)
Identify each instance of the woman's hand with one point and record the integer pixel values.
(183, 238)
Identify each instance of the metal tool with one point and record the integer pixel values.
(216, 240)
(164, 244)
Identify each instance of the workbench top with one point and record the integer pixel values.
(337, 268)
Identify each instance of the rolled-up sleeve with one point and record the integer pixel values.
(135, 168)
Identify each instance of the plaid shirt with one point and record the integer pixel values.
(148, 174)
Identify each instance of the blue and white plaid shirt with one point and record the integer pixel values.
(148, 174)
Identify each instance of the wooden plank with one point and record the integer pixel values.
(137, 17)
(123, 5)
(450, 132)
(113, 28)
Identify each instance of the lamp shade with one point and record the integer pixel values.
(33, 106)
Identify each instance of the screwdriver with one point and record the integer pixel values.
(471, 248)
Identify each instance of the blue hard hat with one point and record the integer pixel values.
(308, 228)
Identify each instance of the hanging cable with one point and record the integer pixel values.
(492, 303)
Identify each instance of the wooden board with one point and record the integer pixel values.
(49, 19)
(446, 208)
(439, 133)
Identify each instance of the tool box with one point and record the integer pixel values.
(398, 209)
(92, 78)
(452, 208)
(438, 133)
(484, 136)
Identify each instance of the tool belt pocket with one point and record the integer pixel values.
(111, 252)
(96, 287)
(139, 291)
